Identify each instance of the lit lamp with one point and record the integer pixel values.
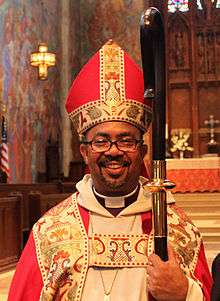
(43, 59)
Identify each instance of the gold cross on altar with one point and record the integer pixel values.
(211, 124)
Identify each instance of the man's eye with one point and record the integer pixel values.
(127, 141)
(99, 142)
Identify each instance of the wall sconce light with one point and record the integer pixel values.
(43, 59)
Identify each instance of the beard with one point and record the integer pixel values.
(114, 175)
(114, 180)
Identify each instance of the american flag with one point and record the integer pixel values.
(4, 162)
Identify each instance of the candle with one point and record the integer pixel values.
(166, 133)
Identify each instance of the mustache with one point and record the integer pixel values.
(105, 161)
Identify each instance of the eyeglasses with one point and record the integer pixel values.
(104, 145)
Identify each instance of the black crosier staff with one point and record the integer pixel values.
(153, 61)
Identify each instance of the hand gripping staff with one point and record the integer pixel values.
(153, 61)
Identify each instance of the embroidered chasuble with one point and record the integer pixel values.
(81, 252)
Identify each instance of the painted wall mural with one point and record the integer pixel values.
(118, 20)
(32, 105)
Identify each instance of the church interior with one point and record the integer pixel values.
(43, 162)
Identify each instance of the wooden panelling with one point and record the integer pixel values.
(21, 205)
(40, 203)
(24, 190)
(180, 108)
(10, 231)
(209, 103)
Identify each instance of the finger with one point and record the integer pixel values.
(149, 281)
(150, 270)
(147, 278)
(154, 260)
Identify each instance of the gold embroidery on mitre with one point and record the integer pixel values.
(95, 112)
(132, 111)
(119, 250)
(112, 76)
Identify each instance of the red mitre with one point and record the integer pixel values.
(109, 88)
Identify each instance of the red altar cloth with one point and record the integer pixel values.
(194, 175)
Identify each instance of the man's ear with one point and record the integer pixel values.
(144, 149)
(84, 152)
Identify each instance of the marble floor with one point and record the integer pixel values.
(5, 280)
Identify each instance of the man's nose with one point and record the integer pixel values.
(114, 149)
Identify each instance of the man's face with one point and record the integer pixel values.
(114, 172)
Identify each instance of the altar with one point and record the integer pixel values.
(194, 174)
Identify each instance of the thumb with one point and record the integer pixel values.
(171, 253)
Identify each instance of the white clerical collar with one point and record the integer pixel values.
(115, 201)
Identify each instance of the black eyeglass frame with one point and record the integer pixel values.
(115, 142)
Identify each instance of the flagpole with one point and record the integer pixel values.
(4, 152)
